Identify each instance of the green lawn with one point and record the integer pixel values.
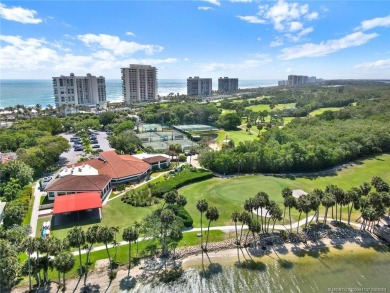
(258, 108)
(229, 194)
(322, 110)
(115, 213)
(236, 136)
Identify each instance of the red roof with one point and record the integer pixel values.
(76, 202)
(117, 166)
(80, 183)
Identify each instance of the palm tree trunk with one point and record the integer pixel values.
(246, 237)
(235, 226)
(299, 218)
(273, 226)
(208, 232)
(289, 214)
(261, 219)
(349, 213)
(109, 257)
(307, 215)
(63, 278)
(284, 214)
(81, 266)
(325, 216)
(87, 265)
(242, 228)
(128, 273)
(336, 211)
(201, 232)
(341, 210)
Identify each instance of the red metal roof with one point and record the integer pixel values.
(76, 202)
(116, 166)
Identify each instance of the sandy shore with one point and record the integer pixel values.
(222, 253)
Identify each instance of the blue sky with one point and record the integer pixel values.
(211, 38)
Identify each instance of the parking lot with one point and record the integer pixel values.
(73, 156)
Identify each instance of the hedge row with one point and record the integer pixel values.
(16, 210)
(183, 178)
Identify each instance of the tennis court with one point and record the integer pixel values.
(194, 127)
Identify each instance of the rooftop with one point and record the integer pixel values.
(76, 202)
(80, 183)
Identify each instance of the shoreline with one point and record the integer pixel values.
(223, 253)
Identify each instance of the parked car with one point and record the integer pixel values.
(78, 149)
(47, 179)
(94, 141)
(75, 138)
(96, 146)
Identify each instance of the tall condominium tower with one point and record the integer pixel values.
(199, 86)
(72, 91)
(227, 85)
(139, 83)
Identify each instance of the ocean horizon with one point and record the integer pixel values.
(29, 92)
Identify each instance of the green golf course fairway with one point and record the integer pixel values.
(229, 194)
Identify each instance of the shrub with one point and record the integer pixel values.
(139, 198)
(183, 178)
(185, 216)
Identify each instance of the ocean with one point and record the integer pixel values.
(30, 92)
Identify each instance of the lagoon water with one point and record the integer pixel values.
(360, 269)
(30, 92)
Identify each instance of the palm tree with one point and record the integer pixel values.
(290, 202)
(245, 219)
(54, 247)
(137, 226)
(286, 192)
(315, 203)
(212, 214)
(129, 234)
(264, 200)
(320, 194)
(255, 228)
(202, 206)
(64, 262)
(29, 245)
(167, 217)
(249, 205)
(76, 238)
(106, 235)
(235, 217)
(91, 239)
(327, 201)
(276, 215)
(354, 201)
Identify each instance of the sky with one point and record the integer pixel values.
(246, 39)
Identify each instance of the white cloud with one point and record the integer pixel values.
(299, 35)
(205, 8)
(42, 59)
(259, 39)
(286, 16)
(116, 45)
(312, 16)
(379, 64)
(251, 19)
(130, 34)
(186, 59)
(19, 14)
(375, 22)
(295, 26)
(257, 60)
(214, 2)
(276, 43)
(25, 54)
(289, 70)
(327, 47)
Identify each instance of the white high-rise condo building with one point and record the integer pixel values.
(72, 91)
(139, 83)
(227, 85)
(199, 86)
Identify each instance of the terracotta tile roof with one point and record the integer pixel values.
(154, 160)
(117, 166)
(80, 183)
(76, 202)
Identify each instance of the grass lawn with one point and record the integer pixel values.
(258, 108)
(27, 217)
(322, 110)
(236, 136)
(115, 213)
(229, 194)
